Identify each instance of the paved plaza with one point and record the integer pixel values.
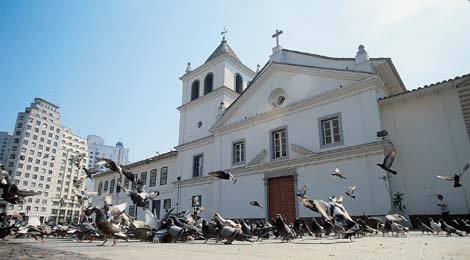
(414, 246)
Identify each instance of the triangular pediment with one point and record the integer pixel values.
(279, 86)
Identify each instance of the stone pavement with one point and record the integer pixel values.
(414, 246)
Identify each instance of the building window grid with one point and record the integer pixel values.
(143, 177)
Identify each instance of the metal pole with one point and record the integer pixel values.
(388, 178)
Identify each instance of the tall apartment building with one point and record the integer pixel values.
(39, 160)
(5, 140)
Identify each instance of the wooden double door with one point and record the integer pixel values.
(281, 198)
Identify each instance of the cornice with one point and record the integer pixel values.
(341, 154)
(198, 142)
(207, 97)
(321, 99)
(210, 63)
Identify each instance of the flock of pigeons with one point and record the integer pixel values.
(111, 221)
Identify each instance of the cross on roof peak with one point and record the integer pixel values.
(276, 35)
(223, 33)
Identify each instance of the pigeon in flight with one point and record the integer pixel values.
(46, 156)
(91, 171)
(350, 192)
(256, 204)
(77, 159)
(225, 175)
(110, 164)
(337, 173)
(388, 161)
(456, 177)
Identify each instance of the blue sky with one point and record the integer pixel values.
(113, 66)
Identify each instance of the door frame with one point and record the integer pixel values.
(276, 174)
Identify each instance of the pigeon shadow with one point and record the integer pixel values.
(318, 242)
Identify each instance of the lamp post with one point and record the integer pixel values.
(61, 202)
(178, 179)
(383, 135)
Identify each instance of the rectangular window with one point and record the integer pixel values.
(131, 210)
(279, 143)
(105, 189)
(163, 175)
(167, 204)
(126, 183)
(238, 152)
(197, 165)
(330, 131)
(153, 178)
(111, 185)
(143, 177)
(100, 187)
(134, 184)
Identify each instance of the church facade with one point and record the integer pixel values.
(301, 116)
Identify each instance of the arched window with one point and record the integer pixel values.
(238, 83)
(208, 83)
(195, 90)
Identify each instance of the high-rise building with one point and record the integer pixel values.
(97, 149)
(5, 140)
(40, 159)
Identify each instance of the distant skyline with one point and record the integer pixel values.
(113, 66)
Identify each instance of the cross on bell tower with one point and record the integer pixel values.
(223, 33)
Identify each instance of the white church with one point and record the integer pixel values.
(298, 118)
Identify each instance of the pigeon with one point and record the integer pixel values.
(450, 229)
(256, 204)
(139, 196)
(113, 166)
(423, 227)
(388, 161)
(83, 196)
(210, 230)
(77, 159)
(316, 228)
(106, 228)
(46, 156)
(350, 191)
(456, 177)
(91, 171)
(435, 226)
(395, 217)
(77, 183)
(284, 230)
(337, 173)
(225, 175)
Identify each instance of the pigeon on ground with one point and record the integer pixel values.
(225, 175)
(210, 230)
(316, 228)
(284, 230)
(388, 161)
(350, 192)
(435, 226)
(256, 204)
(450, 229)
(395, 217)
(337, 173)
(456, 177)
(423, 227)
(106, 228)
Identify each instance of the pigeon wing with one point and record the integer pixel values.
(446, 178)
(465, 168)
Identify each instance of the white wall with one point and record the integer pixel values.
(297, 87)
(430, 136)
